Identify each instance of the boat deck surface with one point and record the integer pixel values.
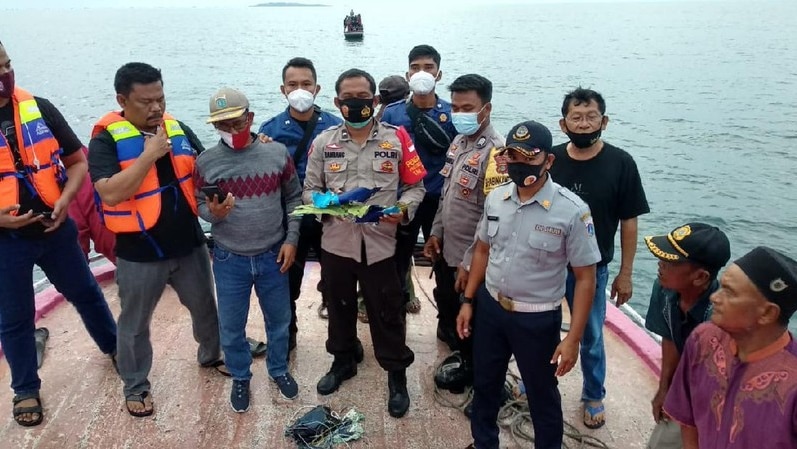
(84, 407)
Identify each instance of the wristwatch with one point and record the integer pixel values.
(464, 299)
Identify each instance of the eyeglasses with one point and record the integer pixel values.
(591, 119)
(232, 126)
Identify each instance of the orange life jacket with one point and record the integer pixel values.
(140, 212)
(43, 172)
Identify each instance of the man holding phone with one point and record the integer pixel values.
(246, 189)
(41, 169)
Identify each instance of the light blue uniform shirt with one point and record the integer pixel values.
(531, 243)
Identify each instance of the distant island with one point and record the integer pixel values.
(284, 4)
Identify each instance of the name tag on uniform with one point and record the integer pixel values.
(492, 218)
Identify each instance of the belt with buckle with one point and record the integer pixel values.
(510, 305)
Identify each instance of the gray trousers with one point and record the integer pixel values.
(141, 285)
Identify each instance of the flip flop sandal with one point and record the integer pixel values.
(220, 367)
(256, 348)
(140, 398)
(594, 415)
(19, 411)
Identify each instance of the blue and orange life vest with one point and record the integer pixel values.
(42, 173)
(140, 212)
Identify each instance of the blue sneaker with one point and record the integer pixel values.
(239, 396)
(288, 387)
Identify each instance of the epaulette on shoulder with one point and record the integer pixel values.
(389, 125)
(502, 191)
(391, 105)
(567, 193)
(332, 128)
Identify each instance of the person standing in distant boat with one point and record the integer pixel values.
(41, 170)
(690, 257)
(296, 127)
(142, 162)
(607, 179)
(427, 118)
(736, 383)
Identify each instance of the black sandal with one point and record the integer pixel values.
(140, 398)
(219, 366)
(19, 411)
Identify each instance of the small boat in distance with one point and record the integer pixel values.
(352, 26)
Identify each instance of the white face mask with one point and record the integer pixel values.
(301, 100)
(422, 83)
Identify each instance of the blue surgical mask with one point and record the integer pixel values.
(466, 123)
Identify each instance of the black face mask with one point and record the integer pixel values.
(357, 110)
(519, 172)
(584, 140)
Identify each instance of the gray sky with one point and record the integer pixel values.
(206, 3)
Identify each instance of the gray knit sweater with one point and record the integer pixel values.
(262, 178)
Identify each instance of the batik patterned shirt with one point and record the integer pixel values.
(736, 404)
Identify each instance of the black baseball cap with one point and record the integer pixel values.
(529, 138)
(393, 88)
(700, 243)
(774, 274)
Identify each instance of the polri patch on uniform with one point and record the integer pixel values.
(474, 159)
(387, 167)
(386, 145)
(446, 170)
(465, 192)
(334, 167)
(481, 142)
(333, 146)
(443, 117)
(453, 147)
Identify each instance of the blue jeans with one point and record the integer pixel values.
(593, 353)
(532, 338)
(60, 257)
(235, 275)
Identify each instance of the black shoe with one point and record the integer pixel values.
(448, 336)
(454, 374)
(359, 353)
(239, 396)
(340, 371)
(399, 400)
(292, 341)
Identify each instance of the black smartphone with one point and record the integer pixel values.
(211, 190)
